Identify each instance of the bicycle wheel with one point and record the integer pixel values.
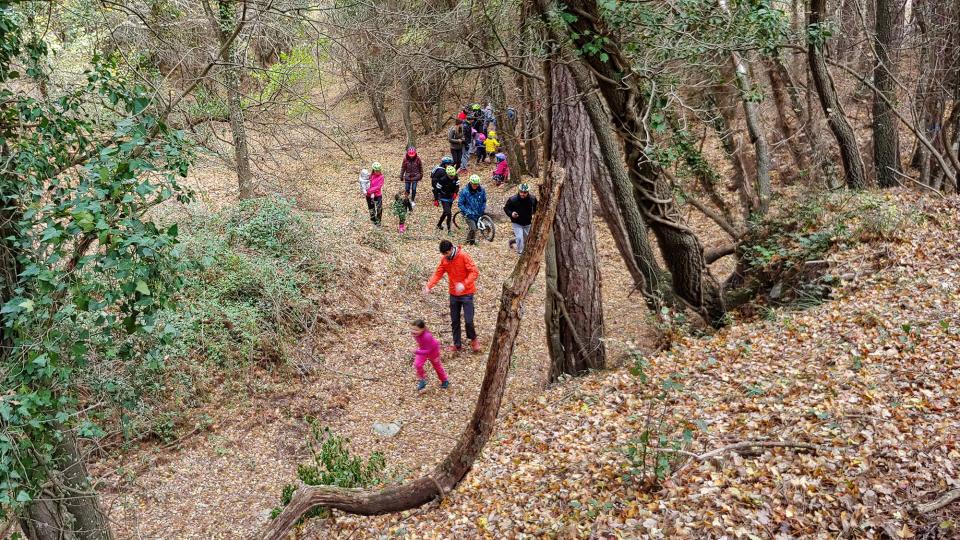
(456, 220)
(489, 230)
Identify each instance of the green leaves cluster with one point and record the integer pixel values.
(331, 464)
(83, 266)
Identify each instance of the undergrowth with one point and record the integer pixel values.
(251, 279)
(331, 464)
(784, 256)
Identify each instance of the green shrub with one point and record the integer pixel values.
(331, 464)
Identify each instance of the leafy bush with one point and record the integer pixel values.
(660, 448)
(332, 465)
(785, 254)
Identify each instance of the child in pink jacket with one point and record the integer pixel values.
(502, 173)
(428, 349)
(375, 193)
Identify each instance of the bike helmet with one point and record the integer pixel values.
(474, 179)
(492, 133)
(500, 157)
(446, 160)
(475, 106)
(376, 166)
(412, 152)
(451, 171)
(524, 188)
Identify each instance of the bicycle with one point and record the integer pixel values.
(485, 226)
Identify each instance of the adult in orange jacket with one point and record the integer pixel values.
(462, 278)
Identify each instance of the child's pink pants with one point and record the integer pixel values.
(422, 359)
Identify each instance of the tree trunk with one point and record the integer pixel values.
(681, 249)
(506, 127)
(69, 509)
(407, 119)
(616, 193)
(722, 120)
(886, 148)
(576, 306)
(459, 461)
(757, 137)
(842, 130)
(790, 136)
(226, 24)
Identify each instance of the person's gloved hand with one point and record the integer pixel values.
(436, 203)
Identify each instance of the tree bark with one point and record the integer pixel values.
(69, 508)
(407, 119)
(575, 298)
(790, 136)
(886, 148)
(506, 127)
(842, 130)
(757, 137)
(681, 249)
(616, 193)
(459, 461)
(226, 22)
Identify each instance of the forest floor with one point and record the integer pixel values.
(868, 383)
(223, 480)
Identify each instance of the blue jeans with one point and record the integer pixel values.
(410, 188)
(465, 303)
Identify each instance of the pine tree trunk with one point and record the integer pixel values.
(575, 300)
(227, 23)
(681, 249)
(886, 148)
(614, 191)
(842, 130)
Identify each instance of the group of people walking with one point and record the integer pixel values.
(474, 134)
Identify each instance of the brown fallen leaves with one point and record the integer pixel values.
(873, 376)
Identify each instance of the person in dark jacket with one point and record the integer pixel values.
(520, 209)
(458, 140)
(445, 188)
(411, 172)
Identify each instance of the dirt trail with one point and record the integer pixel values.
(222, 483)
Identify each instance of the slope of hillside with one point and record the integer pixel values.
(863, 391)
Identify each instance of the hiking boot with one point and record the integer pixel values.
(421, 385)
(453, 348)
(475, 346)
(512, 243)
(445, 385)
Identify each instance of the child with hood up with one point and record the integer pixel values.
(480, 139)
(491, 145)
(401, 207)
(502, 173)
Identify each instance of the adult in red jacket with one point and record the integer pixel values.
(411, 172)
(462, 278)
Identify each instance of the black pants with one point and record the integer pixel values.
(457, 155)
(375, 205)
(481, 153)
(446, 215)
(410, 188)
(457, 303)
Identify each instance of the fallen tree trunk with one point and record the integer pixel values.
(459, 461)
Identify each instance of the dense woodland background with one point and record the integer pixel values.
(748, 224)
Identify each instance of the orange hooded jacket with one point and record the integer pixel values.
(460, 269)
